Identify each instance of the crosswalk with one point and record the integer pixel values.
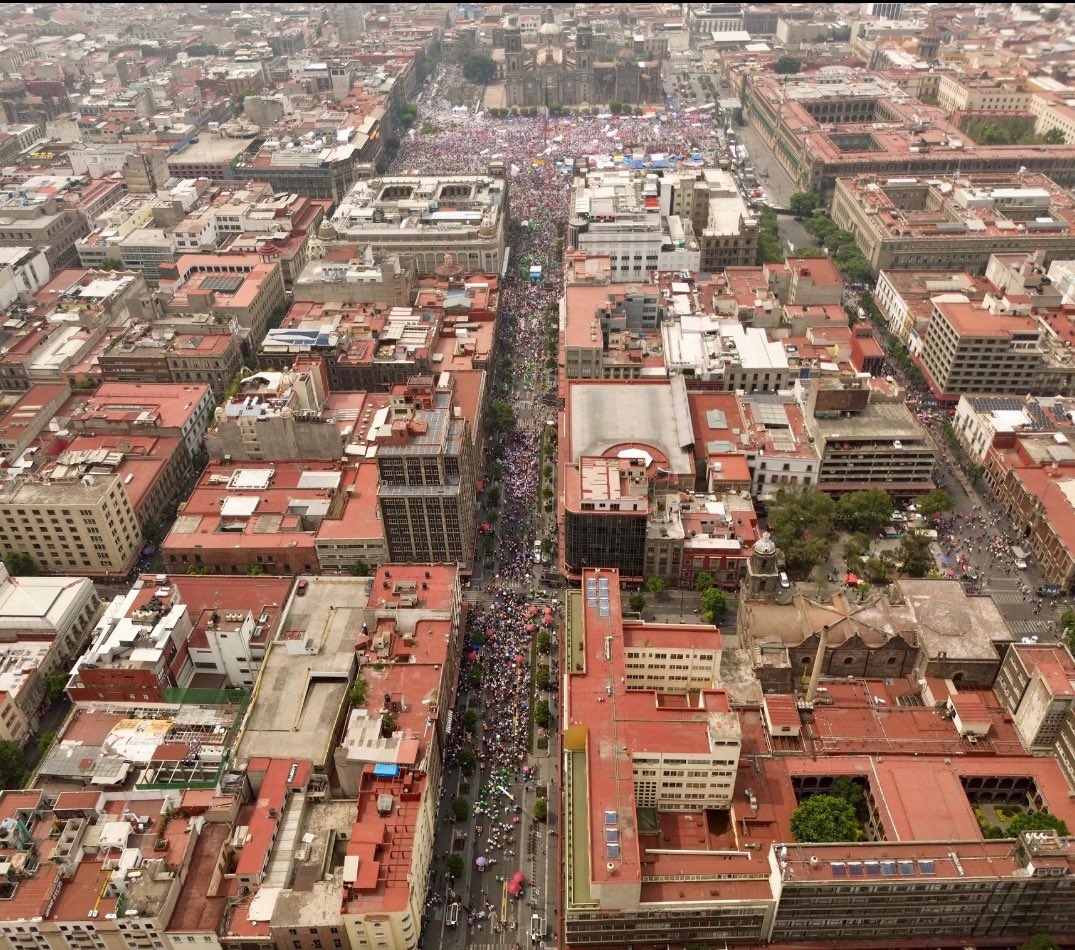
(1027, 628)
(1007, 597)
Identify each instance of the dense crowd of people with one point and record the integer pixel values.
(496, 670)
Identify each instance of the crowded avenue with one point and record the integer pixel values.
(506, 895)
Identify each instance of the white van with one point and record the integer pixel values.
(537, 927)
(453, 914)
(784, 582)
(1020, 557)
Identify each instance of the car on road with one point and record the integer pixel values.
(1050, 590)
(452, 918)
(537, 927)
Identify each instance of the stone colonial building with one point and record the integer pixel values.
(555, 68)
(925, 628)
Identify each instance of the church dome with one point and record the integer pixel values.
(765, 546)
(550, 30)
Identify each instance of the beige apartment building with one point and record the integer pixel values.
(1035, 686)
(82, 525)
(955, 222)
(866, 441)
(970, 349)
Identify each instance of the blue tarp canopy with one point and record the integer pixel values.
(386, 770)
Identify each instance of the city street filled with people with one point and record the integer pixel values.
(504, 850)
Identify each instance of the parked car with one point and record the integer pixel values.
(1050, 590)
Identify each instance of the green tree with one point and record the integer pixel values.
(12, 770)
(408, 112)
(806, 252)
(501, 416)
(544, 641)
(714, 603)
(703, 581)
(655, 585)
(877, 570)
(541, 810)
(846, 788)
(202, 49)
(787, 66)
(857, 268)
(615, 107)
(637, 602)
(359, 569)
(542, 678)
(821, 226)
(858, 545)
(1036, 821)
(20, 565)
(995, 134)
(197, 570)
(388, 725)
(542, 713)
(45, 742)
(470, 722)
(478, 68)
(801, 523)
(1054, 137)
(1040, 941)
(359, 692)
(474, 675)
(868, 511)
(825, 818)
(460, 809)
(1067, 628)
(467, 759)
(803, 202)
(934, 503)
(455, 866)
(256, 570)
(840, 239)
(55, 684)
(914, 552)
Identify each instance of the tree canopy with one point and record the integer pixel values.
(1039, 941)
(787, 65)
(501, 416)
(914, 552)
(934, 503)
(821, 226)
(1067, 628)
(1036, 821)
(655, 585)
(542, 713)
(825, 818)
(12, 769)
(803, 202)
(714, 603)
(1054, 137)
(801, 523)
(703, 581)
(637, 602)
(20, 565)
(868, 511)
(455, 865)
(478, 68)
